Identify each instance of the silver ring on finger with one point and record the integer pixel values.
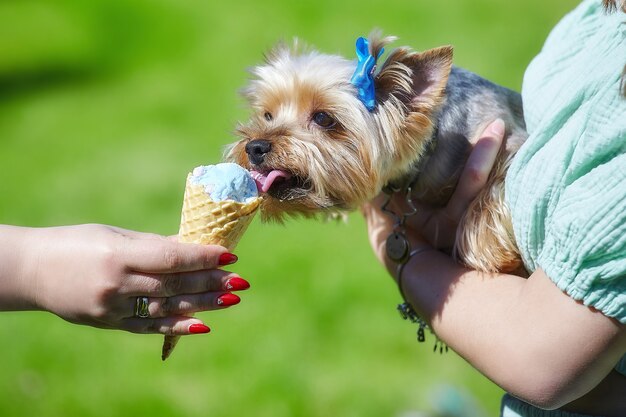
(141, 308)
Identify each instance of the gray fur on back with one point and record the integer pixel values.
(471, 103)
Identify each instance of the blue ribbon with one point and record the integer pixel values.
(363, 77)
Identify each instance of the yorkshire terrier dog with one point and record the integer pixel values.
(328, 133)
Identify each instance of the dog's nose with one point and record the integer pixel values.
(257, 149)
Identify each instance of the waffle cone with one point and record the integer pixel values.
(207, 222)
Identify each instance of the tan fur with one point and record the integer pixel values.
(485, 239)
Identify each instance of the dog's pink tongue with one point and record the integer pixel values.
(265, 181)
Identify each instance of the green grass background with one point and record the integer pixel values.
(104, 107)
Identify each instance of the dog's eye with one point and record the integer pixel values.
(324, 120)
(268, 116)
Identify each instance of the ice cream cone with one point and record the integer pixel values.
(209, 222)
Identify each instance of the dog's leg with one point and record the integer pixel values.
(485, 239)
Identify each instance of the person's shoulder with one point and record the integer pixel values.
(582, 55)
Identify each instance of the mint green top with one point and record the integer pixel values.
(567, 185)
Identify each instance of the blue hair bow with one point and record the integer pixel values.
(363, 77)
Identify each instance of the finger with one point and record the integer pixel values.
(186, 304)
(164, 256)
(170, 326)
(167, 285)
(477, 169)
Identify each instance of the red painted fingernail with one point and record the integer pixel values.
(236, 284)
(198, 328)
(228, 299)
(227, 258)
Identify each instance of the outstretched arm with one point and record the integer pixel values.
(93, 274)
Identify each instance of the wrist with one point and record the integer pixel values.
(417, 254)
(405, 272)
(398, 246)
(17, 275)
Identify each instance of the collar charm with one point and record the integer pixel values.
(363, 77)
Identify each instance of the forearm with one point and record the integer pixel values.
(16, 283)
(499, 324)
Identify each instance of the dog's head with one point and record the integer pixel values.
(314, 146)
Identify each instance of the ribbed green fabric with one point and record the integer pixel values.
(567, 186)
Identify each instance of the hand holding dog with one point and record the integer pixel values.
(94, 274)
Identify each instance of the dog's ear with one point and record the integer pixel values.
(417, 80)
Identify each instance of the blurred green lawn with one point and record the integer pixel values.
(104, 107)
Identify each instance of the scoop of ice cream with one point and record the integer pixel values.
(226, 181)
